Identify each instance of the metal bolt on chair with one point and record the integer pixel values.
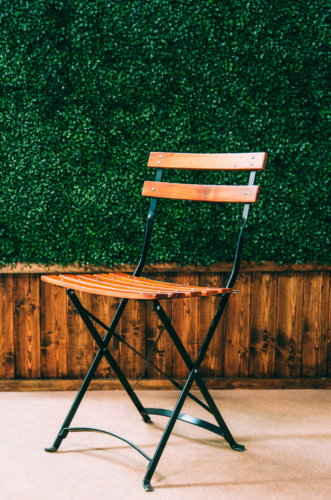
(128, 287)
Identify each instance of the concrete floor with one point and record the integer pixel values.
(287, 435)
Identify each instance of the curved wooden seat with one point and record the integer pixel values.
(130, 287)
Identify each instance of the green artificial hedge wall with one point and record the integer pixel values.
(89, 88)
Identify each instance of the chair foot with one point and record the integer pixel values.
(146, 420)
(147, 485)
(51, 450)
(237, 447)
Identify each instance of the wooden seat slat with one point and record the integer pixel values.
(113, 292)
(224, 161)
(198, 192)
(123, 285)
(111, 286)
(126, 286)
(194, 291)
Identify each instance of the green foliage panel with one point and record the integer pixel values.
(89, 88)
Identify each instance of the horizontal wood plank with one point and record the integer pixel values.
(199, 192)
(222, 161)
(292, 316)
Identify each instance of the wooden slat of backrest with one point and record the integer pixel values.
(197, 192)
(7, 361)
(226, 161)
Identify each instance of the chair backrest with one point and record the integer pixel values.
(246, 194)
(197, 192)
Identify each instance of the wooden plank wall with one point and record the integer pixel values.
(277, 326)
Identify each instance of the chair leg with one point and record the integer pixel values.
(218, 417)
(156, 458)
(78, 399)
(193, 367)
(204, 391)
(103, 351)
(103, 344)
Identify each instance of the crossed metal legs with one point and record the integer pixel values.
(174, 415)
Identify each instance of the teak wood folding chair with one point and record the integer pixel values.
(128, 287)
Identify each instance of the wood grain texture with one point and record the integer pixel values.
(33, 342)
(133, 330)
(81, 349)
(263, 325)
(199, 192)
(164, 354)
(213, 363)
(315, 324)
(126, 286)
(185, 314)
(7, 354)
(327, 305)
(289, 324)
(26, 302)
(237, 329)
(111, 291)
(163, 384)
(54, 331)
(225, 161)
(104, 308)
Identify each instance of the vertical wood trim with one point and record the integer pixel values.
(238, 329)
(81, 344)
(104, 308)
(133, 330)
(185, 313)
(101, 309)
(263, 325)
(289, 324)
(164, 353)
(327, 308)
(138, 336)
(125, 327)
(26, 302)
(315, 337)
(7, 350)
(53, 331)
(213, 364)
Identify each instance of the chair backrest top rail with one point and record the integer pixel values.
(223, 161)
(200, 192)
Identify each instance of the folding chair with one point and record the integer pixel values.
(128, 287)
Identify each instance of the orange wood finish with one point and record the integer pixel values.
(126, 286)
(282, 330)
(198, 192)
(227, 161)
